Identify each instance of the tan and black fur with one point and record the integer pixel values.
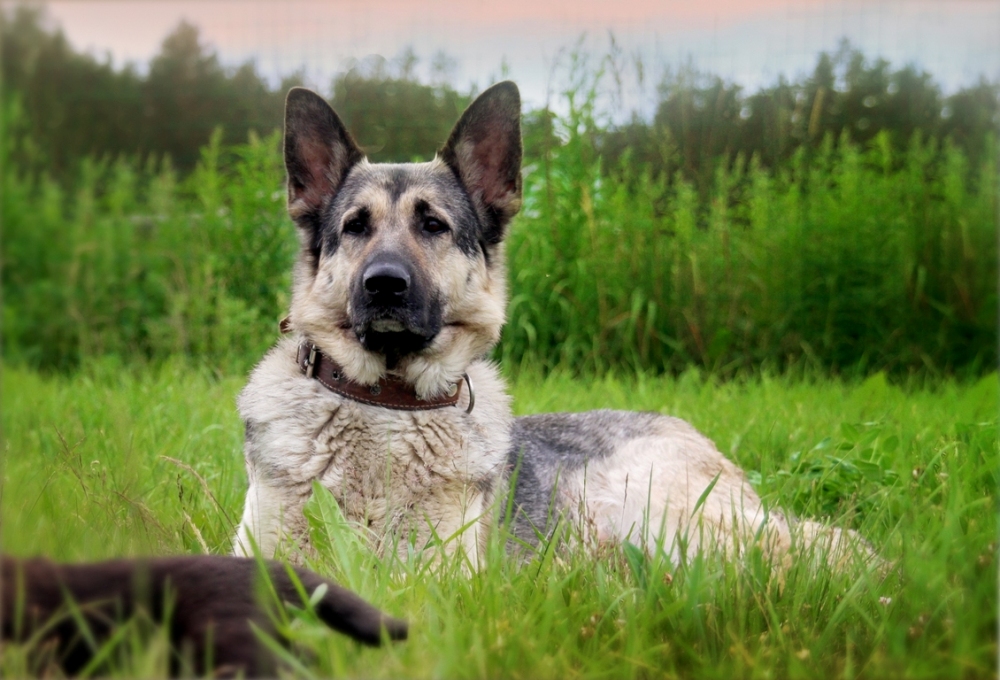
(402, 272)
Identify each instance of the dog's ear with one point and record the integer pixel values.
(318, 152)
(484, 150)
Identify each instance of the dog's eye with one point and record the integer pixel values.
(433, 225)
(356, 225)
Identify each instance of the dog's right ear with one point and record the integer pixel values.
(318, 153)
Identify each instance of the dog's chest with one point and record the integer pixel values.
(388, 469)
(379, 464)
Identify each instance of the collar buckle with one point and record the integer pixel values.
(311, 362)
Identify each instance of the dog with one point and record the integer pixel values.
(383, 394)
(210, 603)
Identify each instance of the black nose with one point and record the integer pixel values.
(386, 279)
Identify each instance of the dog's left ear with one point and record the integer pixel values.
(484, 150)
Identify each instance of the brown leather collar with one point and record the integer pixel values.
(389, 392)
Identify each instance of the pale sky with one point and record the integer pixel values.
(750, 42)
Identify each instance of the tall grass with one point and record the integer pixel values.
(847, 260)
(850, 259)
(140, 264)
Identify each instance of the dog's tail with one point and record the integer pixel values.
(341, 609)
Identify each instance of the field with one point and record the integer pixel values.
(821, 303)
(115, 460)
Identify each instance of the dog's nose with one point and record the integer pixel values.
(386, 279)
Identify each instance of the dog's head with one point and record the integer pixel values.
(402, 265)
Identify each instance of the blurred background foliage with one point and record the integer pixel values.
(844, 223)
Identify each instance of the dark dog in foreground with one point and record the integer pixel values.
(210, 603)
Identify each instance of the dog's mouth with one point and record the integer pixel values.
(387, 326)
(392, 312)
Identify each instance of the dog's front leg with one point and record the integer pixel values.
(271, 515)
(456, 518)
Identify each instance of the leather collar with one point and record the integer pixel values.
(389, 392)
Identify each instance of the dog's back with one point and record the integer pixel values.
(655, 481)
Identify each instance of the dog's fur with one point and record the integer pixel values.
(209, 602)
(430, 236)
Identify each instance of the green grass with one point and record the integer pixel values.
(913, 468)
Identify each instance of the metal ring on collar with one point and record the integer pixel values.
(472, 393)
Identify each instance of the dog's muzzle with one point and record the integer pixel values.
(393, 313)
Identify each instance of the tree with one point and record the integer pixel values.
(76, 106)
(393, 116)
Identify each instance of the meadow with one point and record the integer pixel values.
(116, 461)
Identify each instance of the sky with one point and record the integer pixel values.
(750, 42)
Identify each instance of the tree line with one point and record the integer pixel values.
(701, 119)
(75, 105)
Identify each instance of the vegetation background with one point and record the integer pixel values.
(845, 223)
(808, 273)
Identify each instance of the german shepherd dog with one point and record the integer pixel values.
(382, 391)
